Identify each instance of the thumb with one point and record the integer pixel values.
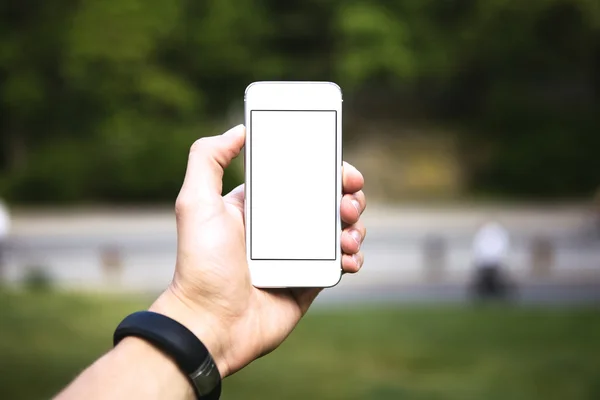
(209, 156)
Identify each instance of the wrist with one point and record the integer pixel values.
(206, 327)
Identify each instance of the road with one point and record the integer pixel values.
(67, 245)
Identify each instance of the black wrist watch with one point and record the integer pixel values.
(180, 344)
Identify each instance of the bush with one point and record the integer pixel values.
(37, 279)
(142, 164)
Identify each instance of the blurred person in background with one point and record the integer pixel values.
(490, 249)
(4, 231)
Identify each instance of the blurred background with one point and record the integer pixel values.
(475, 123)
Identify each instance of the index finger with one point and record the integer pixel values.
(352, 179)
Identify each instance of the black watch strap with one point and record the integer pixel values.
(179, 343)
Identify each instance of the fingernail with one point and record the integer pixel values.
(356, 259)
(356, 205)
(356, 236)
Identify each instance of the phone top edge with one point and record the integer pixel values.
(295, 82)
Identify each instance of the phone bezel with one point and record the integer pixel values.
(296, 96)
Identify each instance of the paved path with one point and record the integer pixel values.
(67, 245)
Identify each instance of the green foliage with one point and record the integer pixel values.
(375, 43)
(100, 100)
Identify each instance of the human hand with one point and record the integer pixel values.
(211, 291)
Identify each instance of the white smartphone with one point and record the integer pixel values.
(293, 172)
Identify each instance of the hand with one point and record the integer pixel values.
(211, 292)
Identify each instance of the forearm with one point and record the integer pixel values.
(134, 369)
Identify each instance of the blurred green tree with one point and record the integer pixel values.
(100, 100)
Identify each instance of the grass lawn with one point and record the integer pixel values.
(416, 352)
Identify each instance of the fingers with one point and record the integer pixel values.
(352, 263)
(352, 179)
(352, 207)
(352, 238)
(351, 241)
(208, 158)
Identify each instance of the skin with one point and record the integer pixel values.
(211, 292)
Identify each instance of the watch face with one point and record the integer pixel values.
(206, 378)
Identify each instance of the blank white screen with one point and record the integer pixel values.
(293, 185)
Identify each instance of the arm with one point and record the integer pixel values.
(134, 369)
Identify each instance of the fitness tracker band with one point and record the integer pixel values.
(180, 344)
